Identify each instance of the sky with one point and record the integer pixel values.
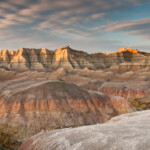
(89, 25)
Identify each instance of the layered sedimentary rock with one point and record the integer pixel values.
(44, 90)
(28, 106)
(133, 85)
(44, 60)
(128, 90)
(129, 131)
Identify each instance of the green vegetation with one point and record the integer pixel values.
(2, 148)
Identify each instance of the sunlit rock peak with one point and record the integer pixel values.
(124, 50)
(127, 49)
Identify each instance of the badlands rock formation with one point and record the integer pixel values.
(45, 60)
(45, 90)
(29, 106)
(125, 132)
(133, 85)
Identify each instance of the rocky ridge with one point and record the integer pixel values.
(45, 60)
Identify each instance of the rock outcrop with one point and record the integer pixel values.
(128, 90)
(129, 131)
(28, 106)
(45, 60)
(132, 85)
(43, 90)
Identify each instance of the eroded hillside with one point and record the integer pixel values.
(45, 60)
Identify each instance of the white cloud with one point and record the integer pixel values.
(65, 19)
(139, 27)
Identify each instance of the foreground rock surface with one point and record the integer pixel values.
(125, 132)
(29, 106)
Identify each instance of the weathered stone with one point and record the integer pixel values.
(124, 132)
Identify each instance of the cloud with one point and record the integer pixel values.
(139, 27)
(60, 12)
(66, 19)
(8, 6)
(98, 15)
(11, 20)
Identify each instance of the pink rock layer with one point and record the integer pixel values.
(29, 108)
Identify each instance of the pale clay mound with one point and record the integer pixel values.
(125, 132)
